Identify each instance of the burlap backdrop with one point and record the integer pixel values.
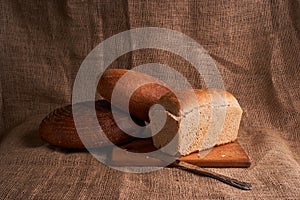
(255, 44)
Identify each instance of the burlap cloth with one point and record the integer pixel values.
(255, 44)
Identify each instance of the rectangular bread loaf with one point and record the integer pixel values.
(195, 120)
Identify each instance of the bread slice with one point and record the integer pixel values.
(195, 120)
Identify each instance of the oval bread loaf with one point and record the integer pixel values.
(143, 97)
(58, 128)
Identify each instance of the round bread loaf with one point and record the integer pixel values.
(58, 128)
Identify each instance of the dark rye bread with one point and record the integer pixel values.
(58, 128)
(143, 97)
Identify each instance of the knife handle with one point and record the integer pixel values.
(204, 172)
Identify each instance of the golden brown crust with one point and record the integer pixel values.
(184, 101)
(58, 128)
(143, 97)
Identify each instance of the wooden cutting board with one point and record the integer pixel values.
(228, 155)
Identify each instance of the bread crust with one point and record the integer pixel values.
(183, 101)
(143, 97)
(58, 128)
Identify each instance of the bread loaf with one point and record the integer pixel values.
(143, 97)
(58, 128)
(198, 123)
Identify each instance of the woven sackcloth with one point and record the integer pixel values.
(255, 45)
